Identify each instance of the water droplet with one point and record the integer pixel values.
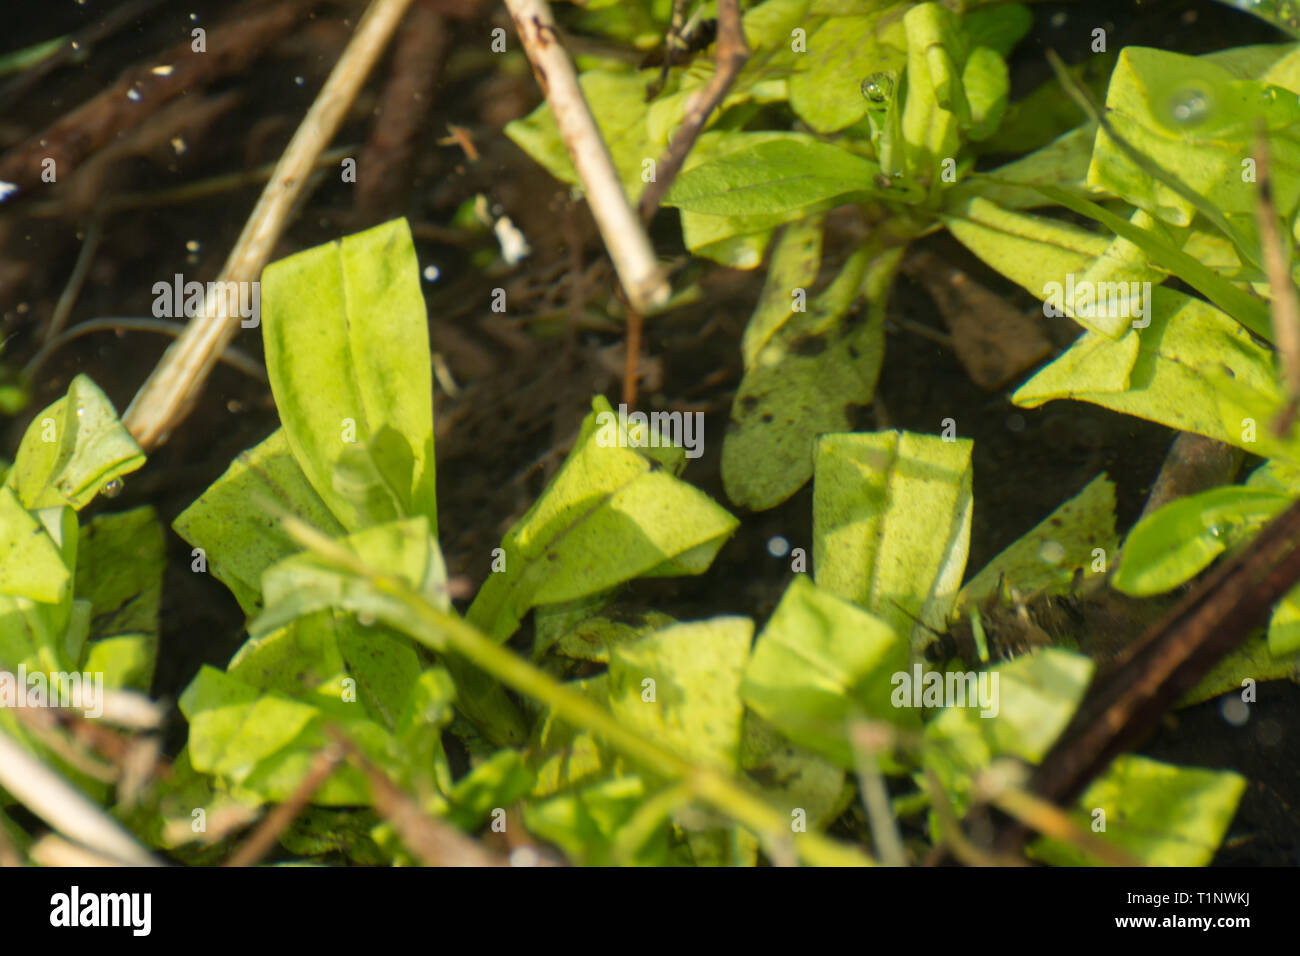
(133, 95)
(365, 619)
(1215, 530)
(1234, 710)
(777, 546)
(112, 488)
(192, 245)
(1190, 106)
(298, 81)
(878, 87)
(431, 273)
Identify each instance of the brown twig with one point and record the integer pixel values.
(433, 842)
(268, 832)
(624, 237)
(142, 89)
(732, 55)
(1125, 703)
(170, 392)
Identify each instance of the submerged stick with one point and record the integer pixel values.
(629, 246)
(171, 391)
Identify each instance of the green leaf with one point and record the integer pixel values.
(1193, 369)
(791, 776)
(120, 562)
(1035, 695)
(1159, 814)
(1242, 306)
(32, 565)
(240, 539)
(606, 518)
(72, 450)
(774, 176)
(1044, 559)
(819, 662)
(1172, 545)
(806, 379)
(891, 523)
(841, 51)
(1194, 120)
(692, 703)
(347, 353)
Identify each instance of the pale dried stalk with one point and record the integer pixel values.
(64, 807)
(628, 245)
(170, 392)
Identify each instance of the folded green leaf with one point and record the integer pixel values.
(820, 662)
(891, 524)
(347, 353)
(72, 450)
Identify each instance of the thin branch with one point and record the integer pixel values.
(170, 392)
(264, 838)
(629, 246)
(441, 631)
(732, 55)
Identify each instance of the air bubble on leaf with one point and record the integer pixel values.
(1051, 552)
(1190, 106)
(878, 87)
(112, 488)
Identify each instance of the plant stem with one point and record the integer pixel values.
(442, 630)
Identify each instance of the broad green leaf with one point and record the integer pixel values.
(1034, 252)
(120, 561)
(1253, 661)
(820, 662)
(794, 265)
(805, 380)
(306, 583)
(841, 51)
(692, 701)
(586, 823)
(774, 176)
(1195, 370)
(72, 450)
(792, 777)
(1243, 307)
(1172, 545)
(497, 782)
(32, 565)
(606, 518)
(1046, 557)
(1034, 697)
(1194, 119)
(1159, 814)
(262, 745)
(238, 538)
(347, 353)
(891, 523)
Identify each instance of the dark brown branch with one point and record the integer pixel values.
(732, 55)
